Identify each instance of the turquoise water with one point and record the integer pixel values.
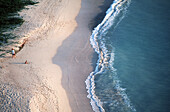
(133, 70)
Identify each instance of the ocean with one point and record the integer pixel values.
(132, 73)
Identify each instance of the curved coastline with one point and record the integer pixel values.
(106, 57)
(75, 55)
(52, 81)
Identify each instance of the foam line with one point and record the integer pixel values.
(117, 7)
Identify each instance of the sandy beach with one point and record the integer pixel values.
(59, 59)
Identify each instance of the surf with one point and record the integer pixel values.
(113, 16)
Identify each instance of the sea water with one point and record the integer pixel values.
(133, 68)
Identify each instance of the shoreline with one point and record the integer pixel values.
(79, 60)
(52, 81)
(76, 58)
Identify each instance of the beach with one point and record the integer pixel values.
(59, 59)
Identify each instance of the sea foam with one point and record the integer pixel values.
(105, 57)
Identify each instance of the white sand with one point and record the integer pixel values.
(41, 85)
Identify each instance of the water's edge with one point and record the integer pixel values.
(118, 7)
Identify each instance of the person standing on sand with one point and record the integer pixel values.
(13, 53)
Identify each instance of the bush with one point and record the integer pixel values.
(8, 7)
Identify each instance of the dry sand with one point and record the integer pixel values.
(59, 59)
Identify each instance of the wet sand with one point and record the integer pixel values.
(59, 59)
(75, 58)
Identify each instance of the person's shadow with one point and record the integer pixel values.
(17, 63)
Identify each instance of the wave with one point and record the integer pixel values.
(113, 16)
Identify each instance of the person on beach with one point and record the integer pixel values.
(26, 62)
(13, 53)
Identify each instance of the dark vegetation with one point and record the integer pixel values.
(9, 19)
